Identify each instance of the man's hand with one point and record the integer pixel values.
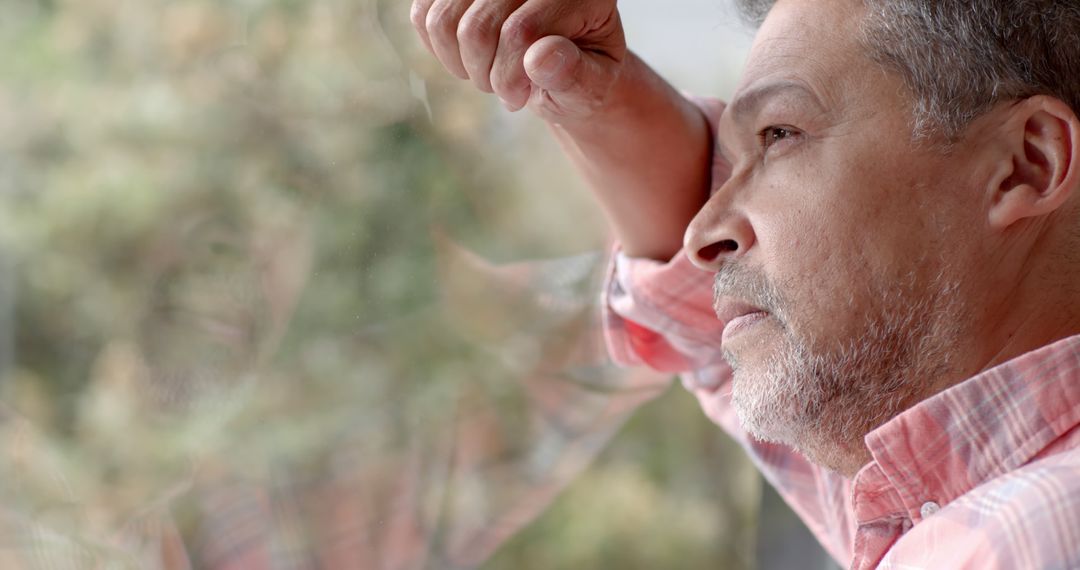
(559, 57)
(644, 149)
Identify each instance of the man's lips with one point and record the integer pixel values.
(739, 324)
(737, 317)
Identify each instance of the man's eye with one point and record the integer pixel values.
(772, 135)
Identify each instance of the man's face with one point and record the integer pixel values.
(854, 241)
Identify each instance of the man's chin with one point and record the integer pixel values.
(776, 405)
(785, 423)
(764, 407)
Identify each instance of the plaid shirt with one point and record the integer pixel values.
(983, 475)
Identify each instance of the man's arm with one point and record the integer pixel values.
(644, 149)
(647, 158)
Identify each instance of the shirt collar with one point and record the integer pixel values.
(989, 425)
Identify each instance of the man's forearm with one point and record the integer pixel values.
(647, 157)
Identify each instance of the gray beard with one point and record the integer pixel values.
(823, 402)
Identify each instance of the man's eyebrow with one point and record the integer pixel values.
(749, 102)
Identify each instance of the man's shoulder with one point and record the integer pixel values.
(1049, 483)
(1029, 517)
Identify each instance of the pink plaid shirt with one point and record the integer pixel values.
(983, 475)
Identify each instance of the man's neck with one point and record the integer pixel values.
(1040, 308)
(1037, 311)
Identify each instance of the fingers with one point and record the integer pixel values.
(478, 35)
(534, 20)
(579, 81)
(486, 40)
(553, 63)
(442, 26)
(518, 32)
(463, 34)
(418, 17)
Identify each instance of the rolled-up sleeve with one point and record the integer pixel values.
(660, 314)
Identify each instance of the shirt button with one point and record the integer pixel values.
(929, 508)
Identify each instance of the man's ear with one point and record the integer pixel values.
(1041, 137)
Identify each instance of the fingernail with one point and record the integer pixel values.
(507, 104)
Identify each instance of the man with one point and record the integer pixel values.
(875, 288)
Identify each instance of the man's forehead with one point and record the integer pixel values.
(747, 103)
(805, 40)
(806, 49)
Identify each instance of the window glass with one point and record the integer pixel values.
(276, 291)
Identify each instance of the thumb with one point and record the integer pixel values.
(557, 65)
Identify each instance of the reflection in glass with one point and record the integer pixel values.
(264, 304)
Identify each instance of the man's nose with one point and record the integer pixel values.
(717, 235)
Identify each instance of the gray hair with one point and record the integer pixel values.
(960, 58)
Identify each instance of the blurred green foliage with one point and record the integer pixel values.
(224, 226)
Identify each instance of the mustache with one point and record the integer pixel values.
(748, 285)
